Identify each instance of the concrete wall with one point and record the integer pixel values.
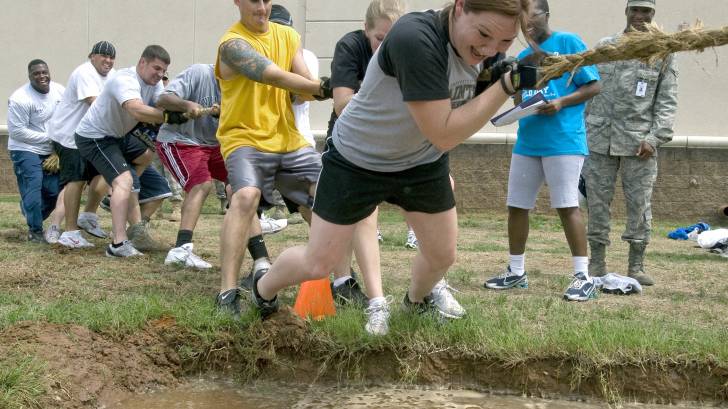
(62, 32)
(692, 181)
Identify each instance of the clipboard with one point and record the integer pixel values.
(526, 108)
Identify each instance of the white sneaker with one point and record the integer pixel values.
(183, 256)
(74, 239)
(446, 304)
(125, 250)
(411, 240)
(52, 234)
(378, 319)
(89, 222)
(270, 226)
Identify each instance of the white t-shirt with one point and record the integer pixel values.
(28, 112)
(84, 82)
(107, 117)
(300, 111)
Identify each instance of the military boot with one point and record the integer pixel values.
(597, 263)
(635, 267)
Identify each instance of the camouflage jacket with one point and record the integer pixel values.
(637, 103)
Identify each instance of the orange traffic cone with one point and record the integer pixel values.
(315, 300)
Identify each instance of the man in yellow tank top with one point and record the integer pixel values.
(259, 65)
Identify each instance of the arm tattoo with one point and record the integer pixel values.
(244, 59)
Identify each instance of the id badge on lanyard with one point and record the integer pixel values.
(641, 90)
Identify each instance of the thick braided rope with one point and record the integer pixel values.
(650, 47)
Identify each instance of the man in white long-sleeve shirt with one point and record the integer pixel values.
(29, 108)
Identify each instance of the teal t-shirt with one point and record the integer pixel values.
(563, 133)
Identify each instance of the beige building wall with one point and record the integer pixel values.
(62, 32)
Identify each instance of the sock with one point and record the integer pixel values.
(261, 263)
(341, 280)
(377, 301)
(518, 263)
(117, 245)
(581, 265)
(183, 237)
(256, 247)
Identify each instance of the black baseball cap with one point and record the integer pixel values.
(103, 48)
(280, 15)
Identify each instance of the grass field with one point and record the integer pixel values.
(682, 321)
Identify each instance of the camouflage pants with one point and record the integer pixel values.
(638, 178)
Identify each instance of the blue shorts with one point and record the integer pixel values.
(153, 186)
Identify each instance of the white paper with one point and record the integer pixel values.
(526, 108)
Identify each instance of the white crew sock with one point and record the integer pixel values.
(581, 265)
(518, 263)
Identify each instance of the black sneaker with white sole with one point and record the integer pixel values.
(426, 307)
(265, 307)
(229, 301)
(349, 293)
(507, 280)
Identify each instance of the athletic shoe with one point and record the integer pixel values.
(89, 222)
(52, 234)
(446, 304)
(183, 256)
(229, 301)
(377, 319)
(141, 239)
(421, 308)
(246, 283)
(265, 307)
(580, 289)
(36, 237)
(507, 280)
(411, 240)
(270, 226)
(223, 205)
(74, 240)
(106, 203)
(349, 293)
(125, 250)
(380, 238)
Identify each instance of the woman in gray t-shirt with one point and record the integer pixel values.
(390, 144)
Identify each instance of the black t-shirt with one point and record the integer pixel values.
(351, 58)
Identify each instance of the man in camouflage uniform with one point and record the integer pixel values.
(626, 123)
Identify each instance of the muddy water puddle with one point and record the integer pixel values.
(216, 393)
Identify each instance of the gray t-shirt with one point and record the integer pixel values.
(107, 116)
(196, 83)
(414, 63)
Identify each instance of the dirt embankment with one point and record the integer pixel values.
(85, 369)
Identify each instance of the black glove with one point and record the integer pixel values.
(325, 91)
(493, 69)
(524, 77)
(173, 117)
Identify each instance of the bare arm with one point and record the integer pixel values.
(445, 127)
(237, 57)
(582, 94)
(342, 96)
(171, 102)
(142, 112)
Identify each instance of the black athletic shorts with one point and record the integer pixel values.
(74, 168)
(111, 156)
(347, 193)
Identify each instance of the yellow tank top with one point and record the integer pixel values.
(255, 114)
